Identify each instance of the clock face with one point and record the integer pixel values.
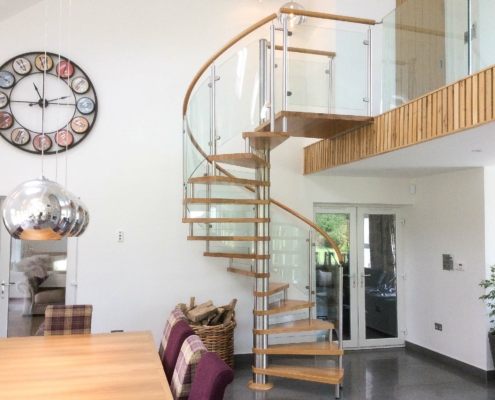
(47, 103)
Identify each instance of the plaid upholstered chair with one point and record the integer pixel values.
(179, 332)
(213, 375)
(68, 320)
(175, 315)
(185, 369)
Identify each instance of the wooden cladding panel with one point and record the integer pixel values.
(456, 107)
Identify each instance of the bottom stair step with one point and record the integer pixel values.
(333, 376)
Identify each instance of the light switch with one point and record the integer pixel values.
(460, 266)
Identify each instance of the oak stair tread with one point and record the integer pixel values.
(285, 305)
(203, 200)
(238, 255)
(227, 180)
(230, 238)
(304, 348)
(265, 140)
(246, 160)
(302, 325)
(248, 273)
(225, 220)
(273, 288)
(316, 125)
(333, 376)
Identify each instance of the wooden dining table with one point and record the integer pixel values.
(122, 365)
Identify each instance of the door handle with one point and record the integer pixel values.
(3, 287)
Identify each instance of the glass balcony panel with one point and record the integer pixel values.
(424, 48)
(309, 74)
(483, 34)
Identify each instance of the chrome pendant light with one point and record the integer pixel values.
(39, 210)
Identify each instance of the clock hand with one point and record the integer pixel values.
(60, 98)
(37, 91)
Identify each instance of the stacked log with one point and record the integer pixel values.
(207, 314)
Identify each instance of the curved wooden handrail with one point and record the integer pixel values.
(229, 44)
(333, 17)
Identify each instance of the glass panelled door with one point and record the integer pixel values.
(369, 240)
(380, 277)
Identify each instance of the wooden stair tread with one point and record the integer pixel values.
(247, 273)
(272, 289)
(265, 140)
(235, 255)
(246, 160)
(285, 305)
(230, 238)
(305, 348)
(333, 376)
(202, 200)
(302, 325)
(224, 220)
(227, 180)
(315, 125)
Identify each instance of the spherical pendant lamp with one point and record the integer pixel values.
(82, 218)
(292, 19)
(39, 210)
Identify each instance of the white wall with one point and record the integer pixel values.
(489, 241)
(447, 218)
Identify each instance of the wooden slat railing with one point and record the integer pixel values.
(461, 105)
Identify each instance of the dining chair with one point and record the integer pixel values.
(178, 334)
(174, 316)
(185, 369)
(213, 375)
(67, 320)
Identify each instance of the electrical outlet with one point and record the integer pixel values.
(120, 237)
(438, 327)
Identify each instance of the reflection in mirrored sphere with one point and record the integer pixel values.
(86, 218)
(39, 210)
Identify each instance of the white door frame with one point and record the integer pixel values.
(4, 275)
(356, 269)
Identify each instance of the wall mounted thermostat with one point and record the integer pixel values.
(448, 262)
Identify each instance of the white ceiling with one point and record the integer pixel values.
(454, 152)
(11, 7)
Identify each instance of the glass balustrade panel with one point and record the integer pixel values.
(483, 34)
(327, 71)
(197, 131)
(237, 97)
(424, 48)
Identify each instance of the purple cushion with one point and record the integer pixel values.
(212, 377)
(179, 332)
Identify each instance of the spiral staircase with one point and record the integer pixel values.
(227, 200)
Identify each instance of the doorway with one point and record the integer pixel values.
(32, 276)
(369, 239)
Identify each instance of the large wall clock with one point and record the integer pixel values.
(47, 103)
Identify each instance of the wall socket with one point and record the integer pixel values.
(120, 237)
(438, 327)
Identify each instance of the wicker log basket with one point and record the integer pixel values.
(214, 326)
(219, 339)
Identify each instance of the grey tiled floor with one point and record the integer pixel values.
(375, 375)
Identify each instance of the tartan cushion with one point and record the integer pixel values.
(68, 320)
(190, 353)
(175, 315)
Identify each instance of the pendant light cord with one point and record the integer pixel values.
(43, 96)
(69, 82)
